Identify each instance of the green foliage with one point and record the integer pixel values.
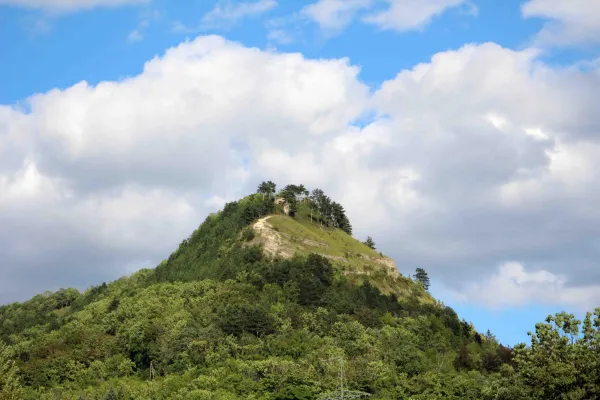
(217, 320)
(563, 360)
(213, 250)
(248, 234)
(422, 277)
(10, 386)
(111, 395)
(266, 189)
(370, 243)
(262, 335)
(328, 212)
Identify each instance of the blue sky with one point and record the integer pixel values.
(466, 239)
(77, 45)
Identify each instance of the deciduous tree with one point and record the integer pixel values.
(10, 386)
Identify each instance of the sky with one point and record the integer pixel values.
(463, 136)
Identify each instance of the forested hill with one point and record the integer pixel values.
(266, 300)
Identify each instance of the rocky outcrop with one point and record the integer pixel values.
(270, 239)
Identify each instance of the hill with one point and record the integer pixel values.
(259, 304)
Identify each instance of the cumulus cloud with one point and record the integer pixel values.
(93, 178)
(512, 285)
(481, 155)
(488, 188)
(69, 5)
(571, 22)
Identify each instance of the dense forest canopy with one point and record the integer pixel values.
(220, 320)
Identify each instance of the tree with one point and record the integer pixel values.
(266, 188)
(562, 361)
(369, 242)
(316, 198)
(340, 220)
(289, 193)
(271, 188)
(302, 191)
(10, 386)
(326, 211)
(263, 188)
(422, 277)
(295, 190)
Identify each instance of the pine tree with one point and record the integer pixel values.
(317, 202)
(271, 188)
(369, 242)
(10, 387)
(422, 277)
(340, 220)
(263, 188)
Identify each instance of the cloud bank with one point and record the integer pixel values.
(480, 157)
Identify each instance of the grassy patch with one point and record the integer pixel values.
(353, 257)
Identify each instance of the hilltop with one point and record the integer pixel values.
(264, 300)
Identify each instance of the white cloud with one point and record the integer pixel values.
(405, 15)
(512, 285)
(480, 155)
(28, 184)
(335, 14)
(399, 15)
(123, 171)
(571, 22)
(69, 5)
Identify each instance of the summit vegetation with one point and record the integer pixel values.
(224, 317)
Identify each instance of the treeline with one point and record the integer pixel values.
(320, 206)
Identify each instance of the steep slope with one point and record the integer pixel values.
(283, 236)
(224, 317)
(286, 236)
